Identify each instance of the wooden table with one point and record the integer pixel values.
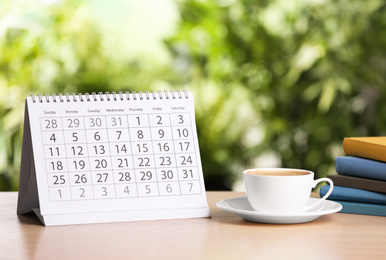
(224, 236)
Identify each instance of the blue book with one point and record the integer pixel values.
(362, 208)
(360, 167)
(354, 195)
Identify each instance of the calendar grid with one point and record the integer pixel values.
(154, 159)
(103, 159)
(86, 148)
(132, 160)
(175, 157)
(104, 188)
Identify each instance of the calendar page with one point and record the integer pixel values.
(116, 152)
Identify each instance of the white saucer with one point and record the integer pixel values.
(241, 207)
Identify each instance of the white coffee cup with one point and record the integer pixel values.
(281, 190)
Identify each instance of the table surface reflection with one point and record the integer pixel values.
(223, 236)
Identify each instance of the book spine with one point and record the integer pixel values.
(358, 182)
(354, 195)
(360, 167)
(362, 208)
(364, 149)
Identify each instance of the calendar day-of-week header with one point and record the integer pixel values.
(115, 110)
(136, 109)
(93, 110)
(50, 112)
(178, 108)
(71, 111)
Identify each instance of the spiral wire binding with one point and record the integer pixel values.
(113, 96)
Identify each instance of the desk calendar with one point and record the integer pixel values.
(111, 157)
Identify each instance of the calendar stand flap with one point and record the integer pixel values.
(39, 215)
(28, 193)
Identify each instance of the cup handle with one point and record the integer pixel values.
(315, 182)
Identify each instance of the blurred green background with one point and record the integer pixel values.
(276, 83)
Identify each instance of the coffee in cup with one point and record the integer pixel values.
(281, 190)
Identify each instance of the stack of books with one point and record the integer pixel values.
(360, 185)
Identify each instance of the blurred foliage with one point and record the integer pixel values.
(276, 83)
(43, 51)
(54, 48)
(282, 82)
